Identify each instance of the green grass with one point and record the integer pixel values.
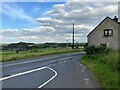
(10, 55)
(104, 68)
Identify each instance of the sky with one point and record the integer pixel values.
(41, 22)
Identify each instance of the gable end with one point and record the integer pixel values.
(100, 24)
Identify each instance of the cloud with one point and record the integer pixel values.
(49, 21)
(14, 12)
(29, 37)
(85, 16)
(79, 10)
(37, 31)
(56, 25)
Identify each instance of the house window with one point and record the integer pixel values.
(108, 32)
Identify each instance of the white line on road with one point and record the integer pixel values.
(26, 72)
(86, 80)
(23, 73)
(49, 79)
(84, 66)
(7, 65)
(60, 62)
(25, 62)
(30, 71)
(65, 61)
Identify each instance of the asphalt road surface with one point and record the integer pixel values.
(51, 71)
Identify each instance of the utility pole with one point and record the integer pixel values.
(73, 37)
(66, 43)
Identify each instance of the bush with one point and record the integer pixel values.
(118, 65)
(92, 49)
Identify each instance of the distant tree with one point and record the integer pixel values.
(17, 51)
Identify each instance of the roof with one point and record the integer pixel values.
(100, 24)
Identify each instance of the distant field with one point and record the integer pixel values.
(10, 55)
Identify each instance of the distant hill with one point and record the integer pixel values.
(4, 44)
(25, 45)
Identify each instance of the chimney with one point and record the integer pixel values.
(115, 19)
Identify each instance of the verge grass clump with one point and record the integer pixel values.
(11, 55)
(104, 67)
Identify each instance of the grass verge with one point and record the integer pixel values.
(11, 55)
(104, 68)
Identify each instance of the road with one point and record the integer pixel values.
(51, 71)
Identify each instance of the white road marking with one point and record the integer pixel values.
(65, 61)
(24, 62)
(60, 62)
(54, 64)
(50, 78)
(86, 80)
(82, 71)
(30, 71)
(22, 73)
(7, 65)
(84, 66)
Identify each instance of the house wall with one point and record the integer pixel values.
(97, 36)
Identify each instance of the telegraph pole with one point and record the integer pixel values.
(73, 37)
(66, 43)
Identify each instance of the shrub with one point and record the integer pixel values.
(118, 65)
(92, 49)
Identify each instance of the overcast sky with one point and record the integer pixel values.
(41, 22)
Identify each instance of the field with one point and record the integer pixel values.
(10, 55)
(104, 68)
